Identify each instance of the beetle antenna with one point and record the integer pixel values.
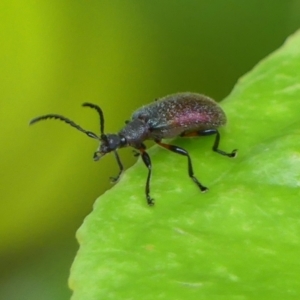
(66, 120)
(100, 112)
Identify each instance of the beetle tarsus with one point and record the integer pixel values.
(150, 200)
(204, 189)
(114, 179)
(233, 153)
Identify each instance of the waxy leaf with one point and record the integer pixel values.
(241, 239)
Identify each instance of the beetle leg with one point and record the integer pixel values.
(136, 153)
(181, 151)
(115, 179)
(216, 143)
(147, 162)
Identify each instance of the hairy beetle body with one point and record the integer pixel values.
(176, 114)
(182, 114)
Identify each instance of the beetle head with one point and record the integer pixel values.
(108, 143)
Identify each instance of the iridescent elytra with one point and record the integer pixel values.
(182, 114)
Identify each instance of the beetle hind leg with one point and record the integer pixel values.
(215, 147)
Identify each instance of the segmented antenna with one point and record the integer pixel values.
(100, 112)
(66, 120)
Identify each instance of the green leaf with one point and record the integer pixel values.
(239, 240)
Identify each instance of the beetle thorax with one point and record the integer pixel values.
(135, 132)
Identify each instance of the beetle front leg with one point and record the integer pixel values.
(115, 179)
(147, 162)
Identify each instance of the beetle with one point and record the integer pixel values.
(182, 114)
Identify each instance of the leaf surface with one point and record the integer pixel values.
(239, 240)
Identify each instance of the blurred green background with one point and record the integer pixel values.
(55, 55)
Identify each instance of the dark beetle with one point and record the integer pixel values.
(182, 114)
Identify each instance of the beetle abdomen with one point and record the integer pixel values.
(174, 114)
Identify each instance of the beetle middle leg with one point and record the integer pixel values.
(215, 147)
(181, 151)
